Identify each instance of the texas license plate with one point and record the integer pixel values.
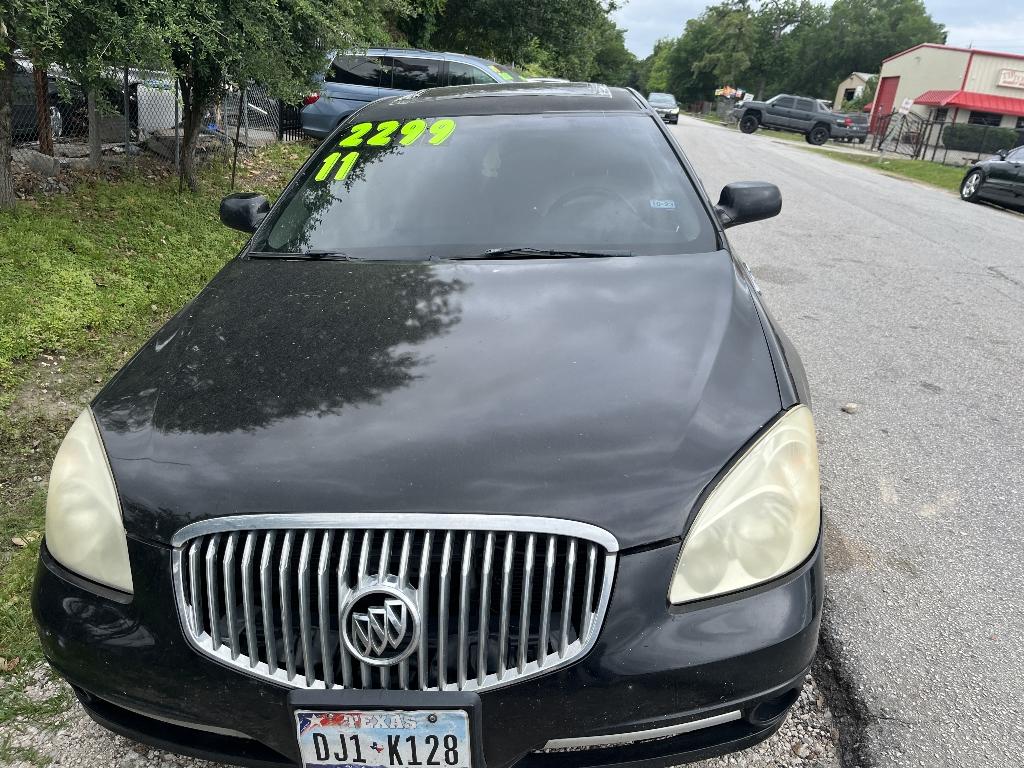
(379, 738)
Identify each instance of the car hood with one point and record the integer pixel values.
(608, 391)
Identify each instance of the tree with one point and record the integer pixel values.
(731, 42)
(861, 33)
(98, 38)
(656, 68)
(779, 24)
(613, 62)
(796, 46)
(34, 27)
(278, 44)
(564, 36)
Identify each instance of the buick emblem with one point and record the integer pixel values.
(380, 624)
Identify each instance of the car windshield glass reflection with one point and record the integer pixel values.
(427, 189)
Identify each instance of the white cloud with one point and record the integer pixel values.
(1001, 36)
(647, 21)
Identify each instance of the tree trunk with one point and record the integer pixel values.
(6, 175)
(192, 101)
(43, 111)
(95, 147)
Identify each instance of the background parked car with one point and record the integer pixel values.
(850, 126)
(665, 105)
(63, 107)
(801, 114)
(355, 79)
(999, 179)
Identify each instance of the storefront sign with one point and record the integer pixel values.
(1011, 78)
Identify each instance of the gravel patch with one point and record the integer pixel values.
(807, 739)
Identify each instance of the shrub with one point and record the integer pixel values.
(978, 138)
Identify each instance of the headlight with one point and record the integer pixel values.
(675, 111)
(761, 521)
(84, 530)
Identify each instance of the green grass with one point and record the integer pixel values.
(935, 174)
(784, 135)
(85, 278)
(109, 259)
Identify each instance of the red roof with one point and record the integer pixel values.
(979, 102)
(955, 48)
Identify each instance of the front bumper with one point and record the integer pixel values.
(653, 667)
(668, 117)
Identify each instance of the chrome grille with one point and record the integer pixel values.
(499, 598)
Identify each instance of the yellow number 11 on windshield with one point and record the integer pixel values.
(343, 170)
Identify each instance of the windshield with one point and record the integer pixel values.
(661, 100)
(508, 74)
(449, 187)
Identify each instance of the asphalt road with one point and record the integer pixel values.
(909, 303)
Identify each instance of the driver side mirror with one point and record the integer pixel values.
(1002, 154)
(744, 201)
(244, 211)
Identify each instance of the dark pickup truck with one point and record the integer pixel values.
(800, 114)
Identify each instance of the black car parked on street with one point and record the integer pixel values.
(998, 179)
(483, 449)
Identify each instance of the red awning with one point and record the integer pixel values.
(979, 102)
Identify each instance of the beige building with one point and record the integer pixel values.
(851, 88)
(943, 83)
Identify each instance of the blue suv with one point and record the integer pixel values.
(354, 79)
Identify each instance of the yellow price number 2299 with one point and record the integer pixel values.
(410, 132)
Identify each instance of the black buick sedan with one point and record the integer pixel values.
(483, 452)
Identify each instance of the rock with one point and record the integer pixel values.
(850, 408)
(800, 750)
(18, 542)
(40, 163)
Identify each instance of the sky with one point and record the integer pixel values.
(992, 24)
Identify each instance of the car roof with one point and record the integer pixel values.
(519, 98)
(431, 54)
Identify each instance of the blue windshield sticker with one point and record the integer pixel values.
(668, 205)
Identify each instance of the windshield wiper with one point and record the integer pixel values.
(313, 255)
(539, 253)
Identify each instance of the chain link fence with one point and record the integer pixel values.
(138, 114)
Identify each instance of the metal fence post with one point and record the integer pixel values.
(238, 128)
(245, 109)
(177, 134)
(127, 120)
